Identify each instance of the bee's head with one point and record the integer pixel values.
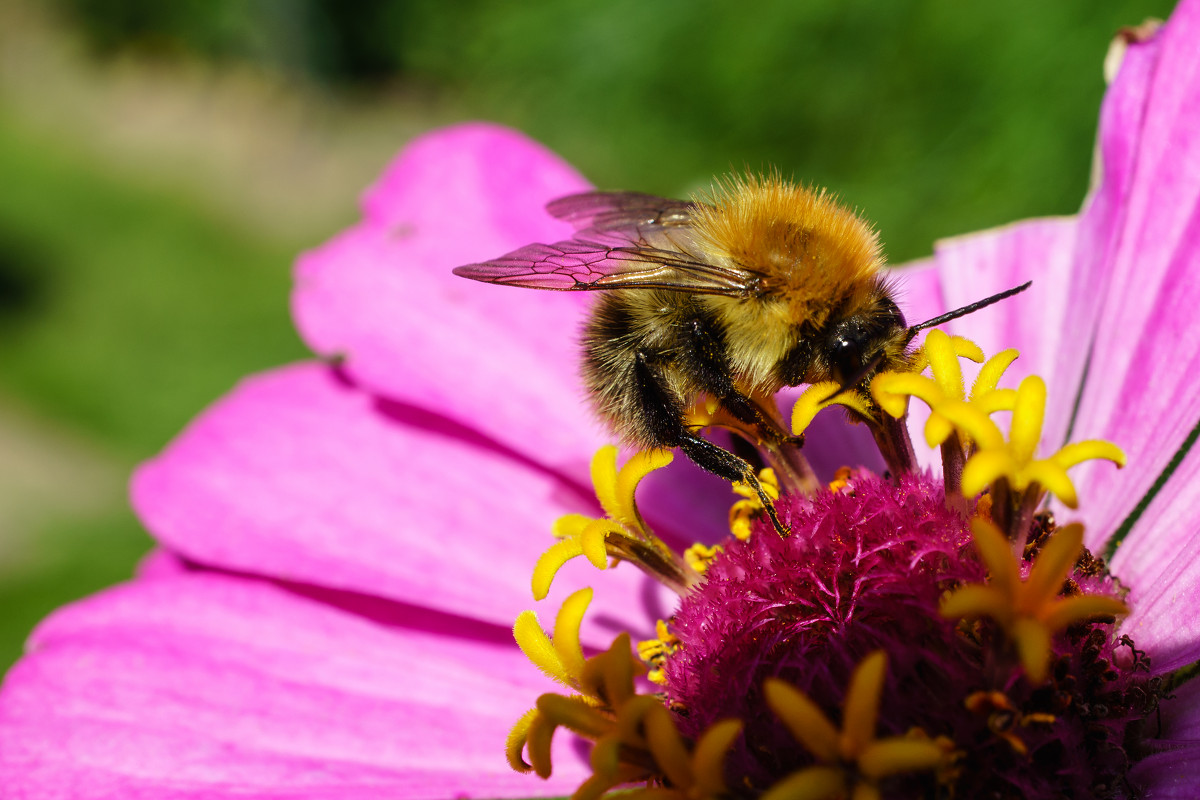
(874, 337)
(877, 337)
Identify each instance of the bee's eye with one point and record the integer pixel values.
(845, 356)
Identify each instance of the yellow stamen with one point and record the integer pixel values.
(938, 340)
(803, 718)
(841, 479)
(1028, 414)
(940, 354)
(668, 747)
(1002, 716)
(1029, 611)
(699, 556)
(536, 646)
(896, 756)
(996, 459)
(846, 757)
(634, 735)
(615, 488)
(573, 713)
(811, 783)
(862, 705)
(955, 418)
(708, 761)
(515, 743)
(539, 736)
(561, 659)
(654, 652)
(566, 631)
(816, 398)
(622, 534)
(589, 541)
(991, 372)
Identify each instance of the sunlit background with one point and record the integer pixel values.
(162, 163)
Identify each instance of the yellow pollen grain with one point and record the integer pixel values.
(700, 556)
(743, 512)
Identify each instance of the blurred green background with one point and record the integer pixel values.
(163, 163)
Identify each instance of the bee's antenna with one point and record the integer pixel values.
(870, 366)
(962, 312)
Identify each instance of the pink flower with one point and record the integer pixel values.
(344, 548)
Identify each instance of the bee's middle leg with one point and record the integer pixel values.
(708, 361)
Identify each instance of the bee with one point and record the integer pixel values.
(765, 284)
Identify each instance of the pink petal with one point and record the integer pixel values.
(1157, 562)
(300, 476)
(503, 361)
(1144, 389)
(1104, 210)
(917, 289)
(1176, 772)
(206, 685)
(160, 563)
(1172, 775)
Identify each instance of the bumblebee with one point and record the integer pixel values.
(766, 284)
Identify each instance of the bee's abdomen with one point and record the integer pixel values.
(634, 365)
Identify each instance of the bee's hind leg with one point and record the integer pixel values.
(725, 464)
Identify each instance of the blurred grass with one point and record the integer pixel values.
(140, 305)
(87, 555)
(126, 309)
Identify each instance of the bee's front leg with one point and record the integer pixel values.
(706, 359)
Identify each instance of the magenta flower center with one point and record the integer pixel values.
(864, 570)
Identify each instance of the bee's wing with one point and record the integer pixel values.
(627, 240)
(621, 212)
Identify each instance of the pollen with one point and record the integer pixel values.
(1030, 611)
(699, 556)
(654, 652)
(744, 512)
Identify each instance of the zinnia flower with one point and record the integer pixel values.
(346, 543)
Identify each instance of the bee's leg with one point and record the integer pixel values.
(663, 417)
(726, 465)
(746, 410)
(706, 358)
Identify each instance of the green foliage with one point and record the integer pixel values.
(936, 118)
(126, 309)
(88, 556)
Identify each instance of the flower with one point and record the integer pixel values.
(345, 545)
